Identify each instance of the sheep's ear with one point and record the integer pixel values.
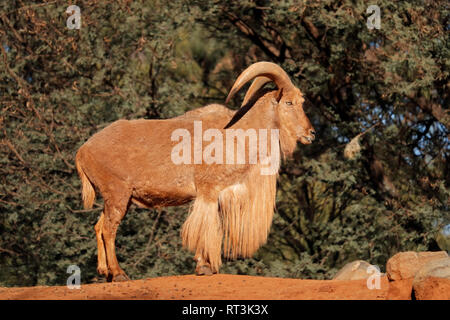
(279, 94)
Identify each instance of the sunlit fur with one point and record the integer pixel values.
(88, 193)
(130, 161)
(242, 217)
(247, 209)
(202, 232)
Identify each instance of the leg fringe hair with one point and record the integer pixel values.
(242, 218)
(246, 211)
(202, 232)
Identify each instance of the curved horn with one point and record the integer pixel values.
(266, 69)
(257, 84)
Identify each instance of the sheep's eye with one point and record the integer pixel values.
(289, 103)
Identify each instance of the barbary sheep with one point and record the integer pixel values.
(159, 163)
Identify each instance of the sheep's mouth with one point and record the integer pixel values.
(306, 139)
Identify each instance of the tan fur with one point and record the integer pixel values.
(288, 142)
(130, 162)
(202, 232)
(87, 190)
(242, 218)
(246, 210)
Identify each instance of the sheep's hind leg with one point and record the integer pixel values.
(114, 212)
(102, 265)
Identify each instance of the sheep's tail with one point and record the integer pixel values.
(246, 210)
(87, 190)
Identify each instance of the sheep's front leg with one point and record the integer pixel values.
(203, 268)
(202, 233)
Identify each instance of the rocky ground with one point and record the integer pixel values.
(409, 275)
(220, 287)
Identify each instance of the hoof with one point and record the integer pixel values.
(203, 271)
(120, 277)
(103, 271)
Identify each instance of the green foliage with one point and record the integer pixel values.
(157, 59)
